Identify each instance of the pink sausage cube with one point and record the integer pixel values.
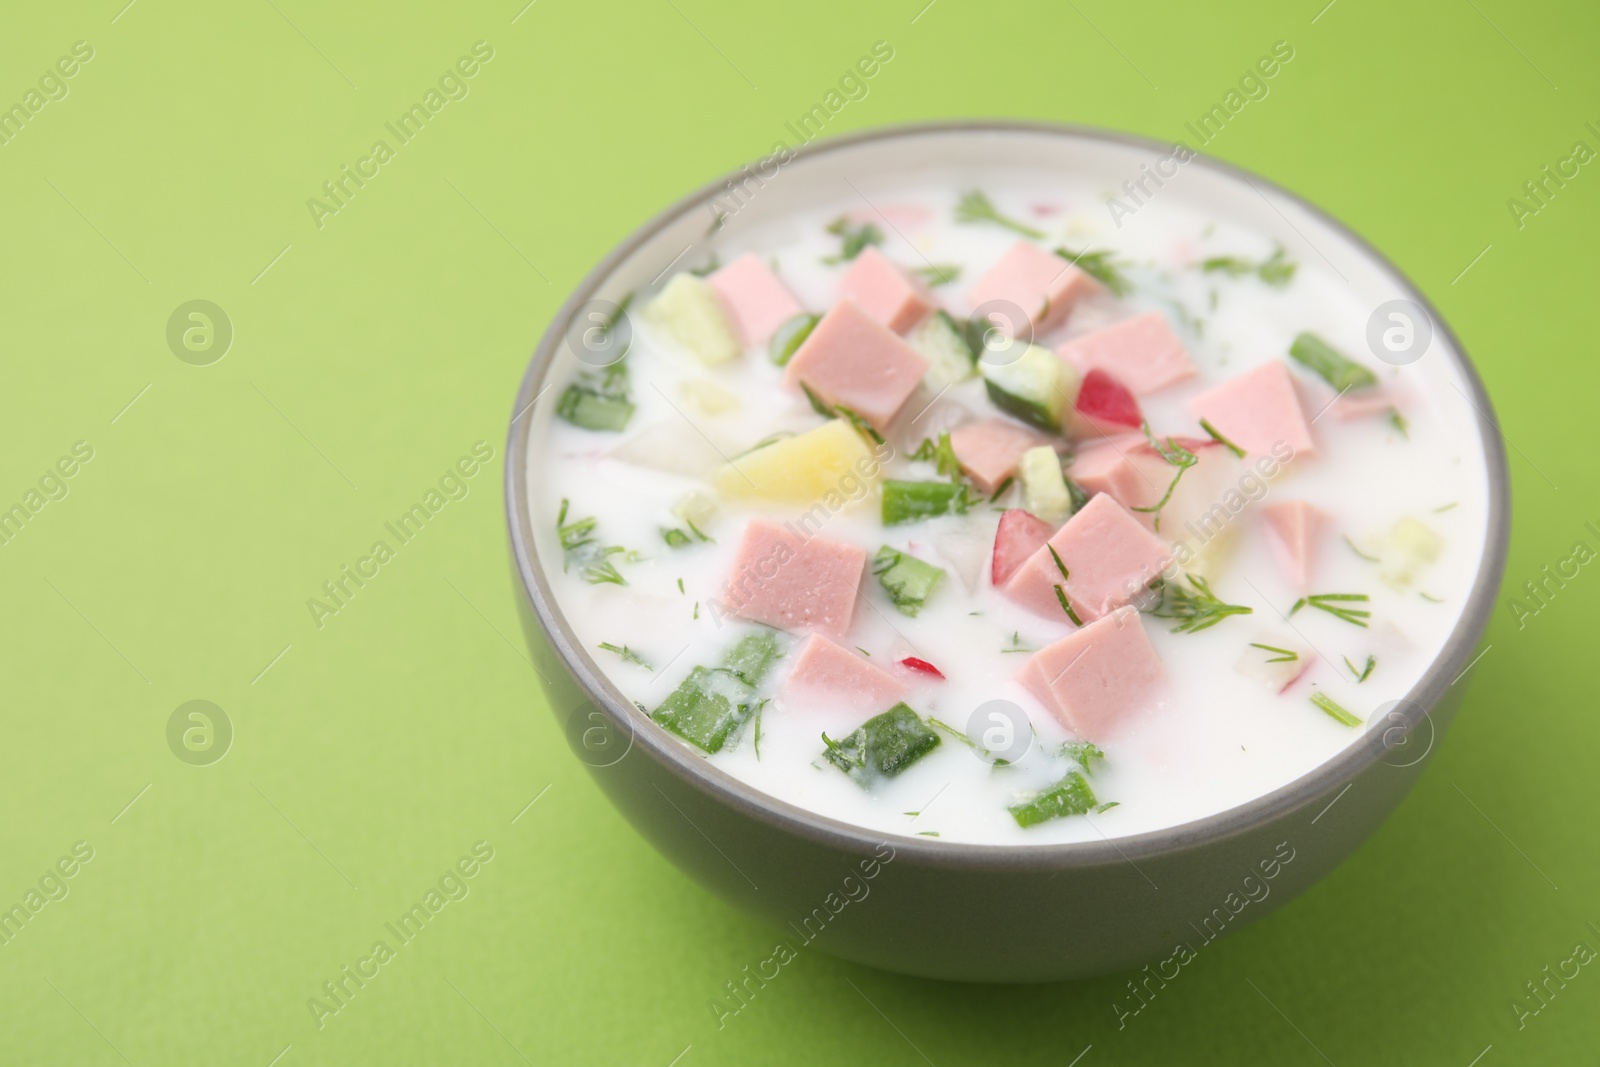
(829, 677)
(793, 582)
(1107, 467)
(1295, 529)
(1110, 558)
(1142, 353)
(990, 449)
(852, 359)
(1093, 679)
(1258, 409)
(757, 302)
(1042, 284)
(884, 291)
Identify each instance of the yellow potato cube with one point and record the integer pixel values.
(831, 464)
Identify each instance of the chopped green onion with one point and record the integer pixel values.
(626, 653)
(752, 655)
(912, 501)
(1070, 796)
(1318, 356)
(882, 747)
(711, 705)
(1334, 711)
(1276, 271)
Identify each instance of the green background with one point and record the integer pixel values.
(371, 353)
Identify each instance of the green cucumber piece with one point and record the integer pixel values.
(943, 344)
(907, 580)
(883, 746)
(1044, 487)
(1035, 387)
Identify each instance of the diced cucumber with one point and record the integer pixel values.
(594, 410)
(906, 579)
(1044, 487)
(913, 501)
(944, 345)
(707, 708)
(1036, 387)
(752, 655)
(883, 746)
(1339, 371)
(789, 336)
(691, 313)
(1070, 796)
(712, 704)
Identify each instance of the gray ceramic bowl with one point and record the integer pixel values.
(979, 912)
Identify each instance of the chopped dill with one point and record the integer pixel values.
(1363, 672)
(1195, 610)
(975, 206)
(627, 654)
(1283, 655)
(1101, 265)
(1332, 604)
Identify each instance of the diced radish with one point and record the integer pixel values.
(1108, 403)
(1019, 536)
(922, 665)
(1301, 673)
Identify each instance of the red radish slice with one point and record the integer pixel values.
(1290, 684)
(1020, 535)
(1107, 402)
(922, 665)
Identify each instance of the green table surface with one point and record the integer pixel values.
(370, 352)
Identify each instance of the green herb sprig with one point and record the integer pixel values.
(579, 546)
(1102, 265)
(854, 237)
(1333, 604)
(627, 654)
(975, 206)
(1334, 710)
(1276, 270)
(1197, 608)
(935, 274)
(1177, 456)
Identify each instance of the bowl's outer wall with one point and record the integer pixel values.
(971, 921)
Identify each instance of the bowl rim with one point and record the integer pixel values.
(716, 784)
